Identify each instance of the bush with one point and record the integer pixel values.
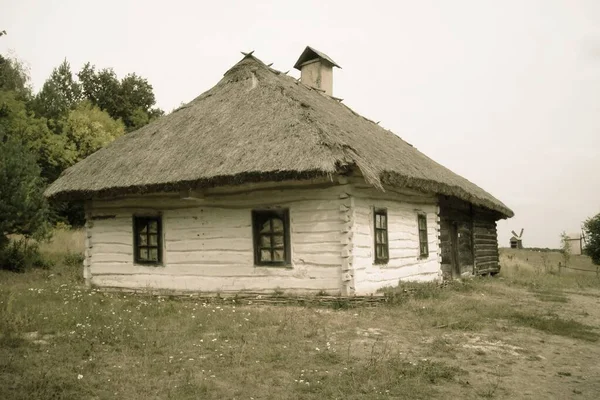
(22, 255)
(73, 259)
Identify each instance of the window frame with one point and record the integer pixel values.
(260, 215)
(386, 245)
(423, 243)
(136, 240)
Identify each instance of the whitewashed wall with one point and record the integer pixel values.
(208, 241)
(404, 261)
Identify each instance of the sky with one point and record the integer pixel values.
(505, 93)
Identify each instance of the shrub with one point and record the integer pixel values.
(73, 259)
(21, 255)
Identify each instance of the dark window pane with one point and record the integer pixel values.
(424, 250)
(153, 254)
(143, 241)
(278, 255)
(266, 227)
(265, 241)
(143, 228)
(153, 239)
(265, 255)
(278, 241)
(143, 254)
(277, 225)
(153, 226)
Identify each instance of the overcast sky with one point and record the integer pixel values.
(505, 93)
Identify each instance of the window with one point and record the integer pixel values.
(271, 237)
(423, 247)
(147, 240)
(381, 237)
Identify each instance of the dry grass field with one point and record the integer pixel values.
(526, 333)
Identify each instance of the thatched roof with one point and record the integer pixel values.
(258, 124)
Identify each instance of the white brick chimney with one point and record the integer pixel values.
(316, 70)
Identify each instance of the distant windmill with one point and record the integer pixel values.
(577, 242)
(516, 241)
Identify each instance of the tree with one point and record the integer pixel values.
(60, 93)
(565, 250)
(54, 153)
(88, 129)
(14, 76)
(23, 208)
(130, 99)
(591, 228)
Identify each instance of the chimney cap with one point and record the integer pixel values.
(312, 54)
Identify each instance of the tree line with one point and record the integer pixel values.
(42, 133)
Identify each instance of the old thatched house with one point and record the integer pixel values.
(264, 183)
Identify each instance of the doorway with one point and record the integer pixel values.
(454, 250)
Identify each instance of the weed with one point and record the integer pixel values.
(73, 259)
(556, 326)
(490, 390)
(550, 296)
(442, 346)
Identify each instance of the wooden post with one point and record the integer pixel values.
(87, 261)
(347, 219)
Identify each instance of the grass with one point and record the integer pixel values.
(159, 348)
(59, 340)
(556, 326)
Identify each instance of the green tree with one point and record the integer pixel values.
(591, 228)
(54, 152)
(88, 129)
(130, 99)
(60, 93)
(565, 250)
(14, 76)
(23, 208)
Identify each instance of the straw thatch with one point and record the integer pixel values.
(258, 124)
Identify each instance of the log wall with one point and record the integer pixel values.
(208, 242)
(455, 217)
(487, 259)
(475, 238)
(403, 236)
